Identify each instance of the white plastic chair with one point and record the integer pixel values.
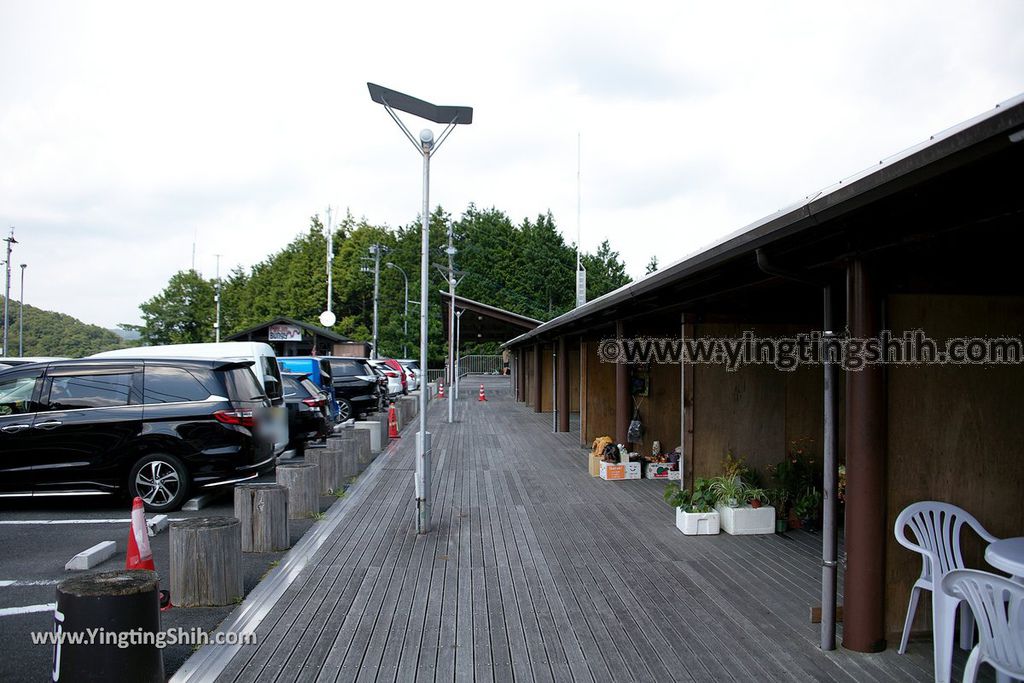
(936, 529)
(998, 607)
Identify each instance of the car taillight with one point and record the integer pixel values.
(242, 418)
(313, 402)
(392, 374)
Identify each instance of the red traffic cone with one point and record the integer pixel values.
(392, 423)
(482, 396)
(139, 555)
(440, 389)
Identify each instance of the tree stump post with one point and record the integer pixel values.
(122, 601)
(262, 512)
(303, 482)
(348, 447)
(382, 418)
(206, 562)
(364, 454)
(332, 469)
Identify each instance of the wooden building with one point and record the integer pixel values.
(929, 239)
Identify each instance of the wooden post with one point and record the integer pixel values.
(332, 469)
(364, 454)
(206, 566)
(122, 601)
(622, 411)
(349, 450)
(562, 385)
(262, 512)
(303, 482)
(538, 378)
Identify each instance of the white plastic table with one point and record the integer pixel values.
(1008, 555)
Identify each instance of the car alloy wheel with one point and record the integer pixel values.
(344, 410)
(161, 481)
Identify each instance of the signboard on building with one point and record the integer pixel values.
(284, 333)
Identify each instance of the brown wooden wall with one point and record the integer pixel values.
(598, 415)
(572, 348)
(659, 411)
(755, 411)
(547, 367)
(527, 374)
(955, 433)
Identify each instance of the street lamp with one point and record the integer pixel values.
(21, 315)
(405, 313)
(426, 146)
(458, 332)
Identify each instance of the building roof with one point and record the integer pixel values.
(282, 320)
(986, 134)
(485, 322)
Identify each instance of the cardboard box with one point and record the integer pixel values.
(612, 472)
(661, 470)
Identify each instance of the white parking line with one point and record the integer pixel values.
(14, 611)
(8, 583)
(17, 522)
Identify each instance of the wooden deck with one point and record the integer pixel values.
(535, 571)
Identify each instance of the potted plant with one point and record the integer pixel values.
(695, 510)
(756, 496)
(780, 500)
(806, 508)
(728, 490)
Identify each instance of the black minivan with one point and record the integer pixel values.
(155, 428)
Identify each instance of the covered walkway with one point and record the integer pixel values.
(534, 570)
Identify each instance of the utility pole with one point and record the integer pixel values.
(375, 250)
(7, 286)
(216, 298)
(405, 310)
(21, 315)
(458, 332)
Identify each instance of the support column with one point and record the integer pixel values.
(538, 377)
(562, 385)
(686, 411)
(866, 532)
(622, 412)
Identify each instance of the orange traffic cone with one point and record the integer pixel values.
(392, 423)
(440, 389)
(482, 396)
(139, 554)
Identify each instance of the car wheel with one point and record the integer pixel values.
(161, 481)
(344, 410)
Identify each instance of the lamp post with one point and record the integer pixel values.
(21, 315)
(426, 146)
(216, 298)
(405, 310)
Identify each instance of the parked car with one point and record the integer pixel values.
(356, 386)
(412, 370)
(394, 379)
(318, 371)
(307, 411)
(155, 428)
(25, 360)
(397, 367)
(264, 366)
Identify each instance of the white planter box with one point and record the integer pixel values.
(697, 523)
(747, 520)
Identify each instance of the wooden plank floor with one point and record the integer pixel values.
(535, 571)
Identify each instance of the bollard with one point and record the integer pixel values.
(108, 604)
(373, 429)
(206, 562)
(303, 482)
(332, 468)
(262, 512)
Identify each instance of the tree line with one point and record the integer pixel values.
(526, 268)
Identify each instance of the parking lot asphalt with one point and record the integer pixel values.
(39, 536)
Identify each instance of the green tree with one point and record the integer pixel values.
(605, 271)
(652, 265)
(182, 313)
(48, 333)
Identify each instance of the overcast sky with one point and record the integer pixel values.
(130, 130)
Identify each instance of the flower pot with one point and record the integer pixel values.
(732, 502)
(780, 526)
(755, 503)
(697, 523)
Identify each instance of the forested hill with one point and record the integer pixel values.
(48, 333)
(527, 268)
